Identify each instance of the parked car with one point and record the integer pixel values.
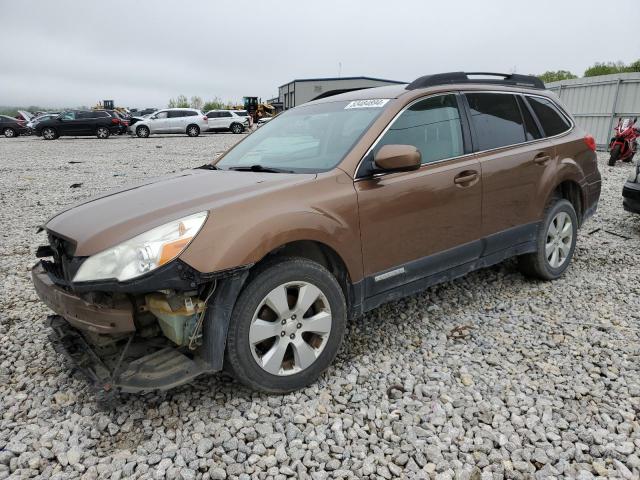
(255, 261)
(31, 124)
(227, 120)
(78, 123)
(171, 120)
(631, 191)
(123, 121)
(12, 127)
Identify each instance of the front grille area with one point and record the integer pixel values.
(63, 265)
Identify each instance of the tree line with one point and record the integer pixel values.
(598, 68)
(181, 101)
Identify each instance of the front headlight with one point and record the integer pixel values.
(143, 253)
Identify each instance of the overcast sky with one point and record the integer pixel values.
(141, 53)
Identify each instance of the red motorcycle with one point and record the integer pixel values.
(623, 145)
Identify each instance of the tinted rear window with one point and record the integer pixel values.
(496, 119)
(553, 123)
(190, 113)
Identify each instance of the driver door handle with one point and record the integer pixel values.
(466, 177)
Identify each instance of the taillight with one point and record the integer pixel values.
(205, 118)
(590, 142)
(115, 120)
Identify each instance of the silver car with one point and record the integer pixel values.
(171, 120)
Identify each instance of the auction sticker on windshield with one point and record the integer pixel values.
(371, 103)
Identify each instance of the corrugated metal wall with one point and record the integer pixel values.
(597, 102)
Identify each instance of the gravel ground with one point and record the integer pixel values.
(489, 376)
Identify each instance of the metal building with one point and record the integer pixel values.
(304, 90)
(597, 102)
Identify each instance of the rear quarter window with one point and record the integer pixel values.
(551, 120)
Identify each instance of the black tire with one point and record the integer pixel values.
(629, 159)
(237, 128)
(10, 132)
(142, 131)
(239, 355)
(102, 133)
(193, 130)
(615, 154)
(49, 133)
(537, 264)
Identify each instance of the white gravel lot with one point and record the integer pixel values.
(543, 382)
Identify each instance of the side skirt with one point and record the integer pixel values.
(443, 267)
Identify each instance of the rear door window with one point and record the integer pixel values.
(189, 113)
(225, 114)
(552, 121)
(176, 113)
(496, 120)
(432, 126)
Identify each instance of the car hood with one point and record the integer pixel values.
(102, 222)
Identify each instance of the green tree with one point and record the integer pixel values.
(180, 101)
(196, 102)
(605, 68)
(551, 76)
(215, 104)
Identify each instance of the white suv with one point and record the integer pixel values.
(171, 120)
(229, 120)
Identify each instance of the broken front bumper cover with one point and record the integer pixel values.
(135, 366)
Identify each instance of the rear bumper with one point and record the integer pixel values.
(631, 197)
(116, 319)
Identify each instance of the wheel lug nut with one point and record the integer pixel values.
(299, 325)
(293, 317)
(282, 333)
(292, 336)
(283, 322)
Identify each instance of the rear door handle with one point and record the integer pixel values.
(541, 158)
(465, 177)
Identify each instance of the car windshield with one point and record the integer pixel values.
(306, 139)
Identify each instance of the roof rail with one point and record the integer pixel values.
(463, 77)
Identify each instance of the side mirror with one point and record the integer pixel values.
(397, 158)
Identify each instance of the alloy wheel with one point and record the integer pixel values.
(48, 134)
(559, 240)
(103, 132)
(193, 132)
(290, 328)
(9, 133)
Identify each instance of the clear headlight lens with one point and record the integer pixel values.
(143, 253)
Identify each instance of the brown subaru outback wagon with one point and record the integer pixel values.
(254, 263)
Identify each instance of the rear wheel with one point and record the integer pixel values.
(286, 326)
(10, 132)
(142, 131)
(193, 130)
(237, 128)
(615, 154)
(102, 132)
(556, 243)
(49, 134)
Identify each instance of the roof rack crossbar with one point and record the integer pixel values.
(464, 77)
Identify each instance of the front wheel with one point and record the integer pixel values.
(102, 133)
(556, 243)
(237, 128)
(286, 327)
(142, 131)
(49, 134)
(615, 154)
(193, 130)
(10, 132)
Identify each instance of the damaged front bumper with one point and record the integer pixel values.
(129, 365)
(144, 341)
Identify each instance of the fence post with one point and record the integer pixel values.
(613, 108)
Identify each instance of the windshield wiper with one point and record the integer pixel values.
(260, 168)
(208, 166)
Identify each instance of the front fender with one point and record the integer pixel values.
(243, 233)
